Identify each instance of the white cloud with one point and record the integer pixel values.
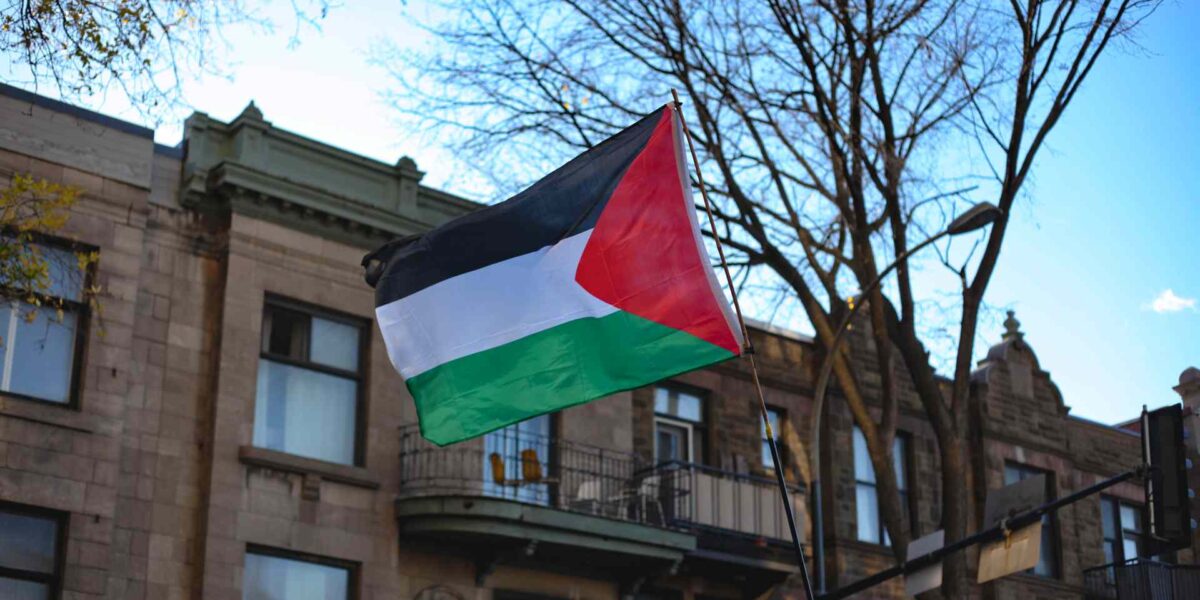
(1168, 302)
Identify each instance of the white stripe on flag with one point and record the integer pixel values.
(488, 307)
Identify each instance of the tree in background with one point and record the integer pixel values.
(141, 49)
(835, 134)
(145, 49)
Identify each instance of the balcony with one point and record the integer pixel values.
(701, 498)
(519, 498)
(516, 494)
(1142, 579)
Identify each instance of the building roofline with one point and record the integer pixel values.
(75, 111)
(172, 151)
(777, 330)
(1119, 427)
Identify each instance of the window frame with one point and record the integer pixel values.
(695, 428)
(360, 377)
(353, 568)
(1056, 558)
(903, 438)
(62, 521)
(1116, 503)
(82, 310)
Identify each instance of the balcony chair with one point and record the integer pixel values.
(531, 469)
(588, 497)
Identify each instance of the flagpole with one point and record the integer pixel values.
(748, 350)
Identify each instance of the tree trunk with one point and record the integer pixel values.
(954, 514)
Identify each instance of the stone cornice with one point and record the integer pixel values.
(251, 167)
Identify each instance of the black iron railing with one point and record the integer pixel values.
(1142, 579)
(538, 469)
(532, 468)
(699, 497)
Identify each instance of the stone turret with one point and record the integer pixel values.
(1189, 390)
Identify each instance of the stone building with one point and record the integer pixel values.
(228, 425)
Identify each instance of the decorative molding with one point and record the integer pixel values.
(251, 167)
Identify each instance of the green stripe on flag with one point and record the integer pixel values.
(566, 365)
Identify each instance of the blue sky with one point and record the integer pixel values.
(1110, 222)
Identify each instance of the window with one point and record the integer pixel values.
(274, 575)
(1047, 565)
(31, 542)
(39, 348)
(309, 383)
(1122, 529)
(775, 416)
(866, 497)
(678, 426)
(517, 461)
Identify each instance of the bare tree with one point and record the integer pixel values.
(144, 49)
(836, 135)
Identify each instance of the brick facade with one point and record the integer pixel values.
(165, 490)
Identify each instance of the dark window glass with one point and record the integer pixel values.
(309, 382)
(1047, 565)
(671, 442)
(866, 497)
(287, 332)
(38, 342)
(29, 552)
(272, 577)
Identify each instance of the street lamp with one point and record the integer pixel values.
(975, 218)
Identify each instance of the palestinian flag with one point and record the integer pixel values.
(592, 281)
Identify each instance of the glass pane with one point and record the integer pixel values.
(286, 332)
(662, 401)
(28, 542)
(1045, 564)
(1108, 552)
(335, 344)
(15, 589)
(306, 413)
(766, 455)
(66, 279)
(671, 442)
(862, 460)
(688, 407)
(1130, 546)
(42, 354)
(529, 429)
(6, 322)
(1108, 519)
(1131, 518)
(867, 504)
(899, 464)
(678, 404)
(1012, 474)
(773, 418)
(274, 578)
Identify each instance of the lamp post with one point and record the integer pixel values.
(975, 218)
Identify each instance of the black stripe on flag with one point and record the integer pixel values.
(563, 203)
